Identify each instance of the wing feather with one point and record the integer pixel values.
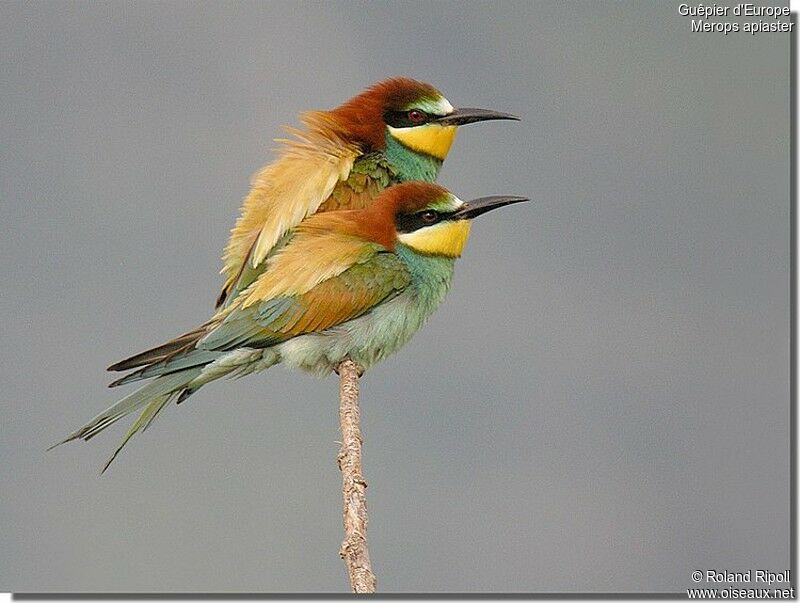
(302, 266)
(286, 191)
(351, 293)
(297, 185)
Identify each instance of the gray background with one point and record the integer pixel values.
(600, 405)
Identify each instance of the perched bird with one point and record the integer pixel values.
(396, 131)
(351, 284)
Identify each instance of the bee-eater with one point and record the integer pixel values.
(396, 131)
(351, 284)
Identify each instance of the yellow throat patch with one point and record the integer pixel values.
(432, 139)
(445, 238)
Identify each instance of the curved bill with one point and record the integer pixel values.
(476, 207)
(462, 116)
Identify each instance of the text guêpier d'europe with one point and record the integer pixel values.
(768, 18)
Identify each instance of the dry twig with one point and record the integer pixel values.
(354, 549)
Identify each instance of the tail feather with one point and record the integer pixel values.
(177, 376)
(149, 395)
(160, 352)
(141, 424)
(173, 364)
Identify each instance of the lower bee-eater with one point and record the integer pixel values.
(396, 131)
(351, 284)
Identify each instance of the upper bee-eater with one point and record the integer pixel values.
(351, 284)
(396, 131)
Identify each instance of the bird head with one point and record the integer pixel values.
(425, 217)
(414, 114)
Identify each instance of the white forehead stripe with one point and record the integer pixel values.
(436, 107)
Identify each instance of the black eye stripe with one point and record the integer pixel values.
(412, 222)
(399, 119)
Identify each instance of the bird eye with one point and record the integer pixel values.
(429, 217)
(416, 117)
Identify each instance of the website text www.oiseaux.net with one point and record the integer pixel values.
(740, 593)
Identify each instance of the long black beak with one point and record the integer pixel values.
(459, 117)
(476, 207)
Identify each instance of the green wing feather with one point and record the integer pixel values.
(336, 300)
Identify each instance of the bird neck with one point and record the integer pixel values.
(431, 275)
(409, 164)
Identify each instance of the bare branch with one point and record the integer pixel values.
(354, 549)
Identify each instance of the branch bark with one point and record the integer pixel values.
(354, 549)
